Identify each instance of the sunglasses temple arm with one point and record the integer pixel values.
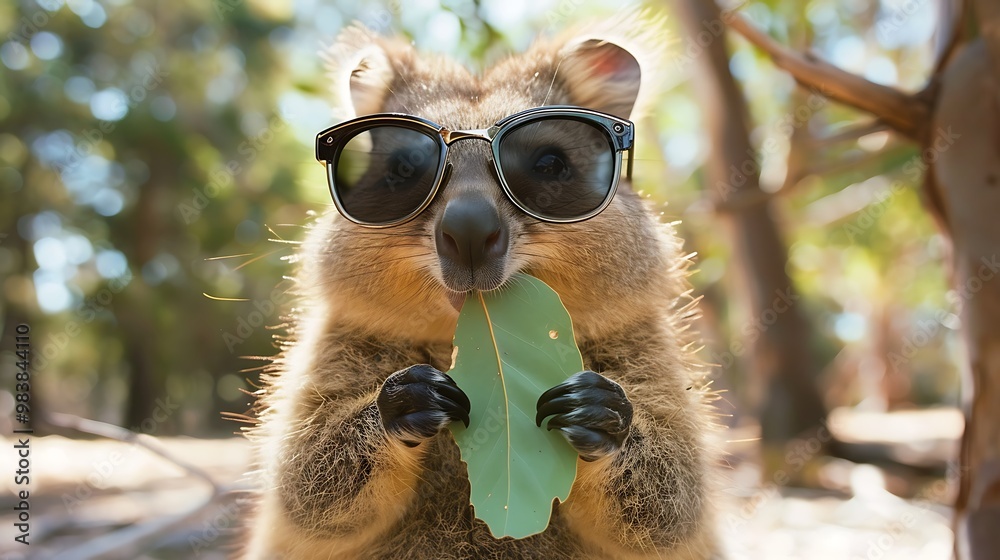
(628, 169)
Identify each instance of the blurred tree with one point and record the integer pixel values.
(955, 122)
(780, 337)
(111, 121)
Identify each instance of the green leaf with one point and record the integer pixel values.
(514, 344)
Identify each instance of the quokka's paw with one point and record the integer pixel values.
(418, 402)
(591, 411)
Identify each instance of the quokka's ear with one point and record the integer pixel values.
(602, 76)
(361, 68)
(614, 66)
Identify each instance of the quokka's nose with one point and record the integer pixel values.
(471, 232)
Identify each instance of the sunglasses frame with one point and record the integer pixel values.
(620, 134)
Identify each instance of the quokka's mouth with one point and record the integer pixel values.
(484, 278)
(457, 298)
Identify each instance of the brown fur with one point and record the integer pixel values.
(372, 303)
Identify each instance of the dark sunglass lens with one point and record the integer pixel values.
(558, 167)
(385, 173)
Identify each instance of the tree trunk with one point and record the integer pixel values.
(135, 308)
(964, 184)
(778, 334)
(15, 313)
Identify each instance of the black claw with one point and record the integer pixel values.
(576, 403)
(442, 382)
(449, 407)
(419, 401)
(592, 412)
(459, 414)
(557, 423)
(555, 392)
(558, 405)
(451, 391)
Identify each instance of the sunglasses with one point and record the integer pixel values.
(556, 163)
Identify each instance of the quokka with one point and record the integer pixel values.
(524, 167)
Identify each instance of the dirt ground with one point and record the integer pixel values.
(99, 498)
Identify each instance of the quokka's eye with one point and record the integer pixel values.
(406, 168)
(551, 164)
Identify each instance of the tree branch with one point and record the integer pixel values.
(953, 19)
(849, 134)
(118, 433)
(988, 16)
(905, 113)
(132, 541)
